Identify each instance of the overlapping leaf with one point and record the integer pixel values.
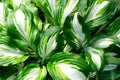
(7, 73)
(23, 26)
(100, 12)
(32, 72)
(95, 58)
(103, 42)
(2, 20)
(114, 28)
(76, 32)
(67, 66)
(16, 3)
(49, 42)
(10, 56)
(57, 11)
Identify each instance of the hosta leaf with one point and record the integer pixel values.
(95, 58)
(103, 42)
(68, 9)
(57, 11)
(114, 28)
(100, 12)
(30, 6)
(18, 2)
(35, 13)
(10, 56)
(2, 13)
(67, 66)
(110, 67)
(6, 73)
(67, 48)
(22, 23)
(75, 31)
(112, 59)
(32, 72)
(49, 42)
(113, 75)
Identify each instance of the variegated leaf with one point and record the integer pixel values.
(95, 58)
(49, 42)
(18, 2)
(114, 28)
(2, 20)
(100, 12)
(28, 3)
(110, 67)
(10, 56)
(75, 31)
(67, 66)
(103, 42)
(32, 72)
(23, 25)
(57, 11)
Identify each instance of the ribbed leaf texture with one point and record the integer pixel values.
(59, 40)
(64, 66)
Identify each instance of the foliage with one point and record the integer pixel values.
(59, 40)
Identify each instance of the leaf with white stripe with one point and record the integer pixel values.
(10, 56)
(75, 31)
(114, 28)
(58, 10)
(103, 42)
(68, 9)
(2, 13)
(32, 72)
(67, 66)
(95, 58)
(18, 2)
(50, 42)
(23, 25)
(100, 12)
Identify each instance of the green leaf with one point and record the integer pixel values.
(22, 23)
(50, 41)
(109, 75)
(19, 44)
(7, 72)
(114, 28)
(76, 32)
(103, 42)
(112, 59)
(18, 2)
(32, 72)
(110, 67)
(67, 66)
(57, 11)
(35, 13)
(95, 58)
(100, 12)
(2, 13)
(10, 56)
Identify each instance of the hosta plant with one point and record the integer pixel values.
(59, 40)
